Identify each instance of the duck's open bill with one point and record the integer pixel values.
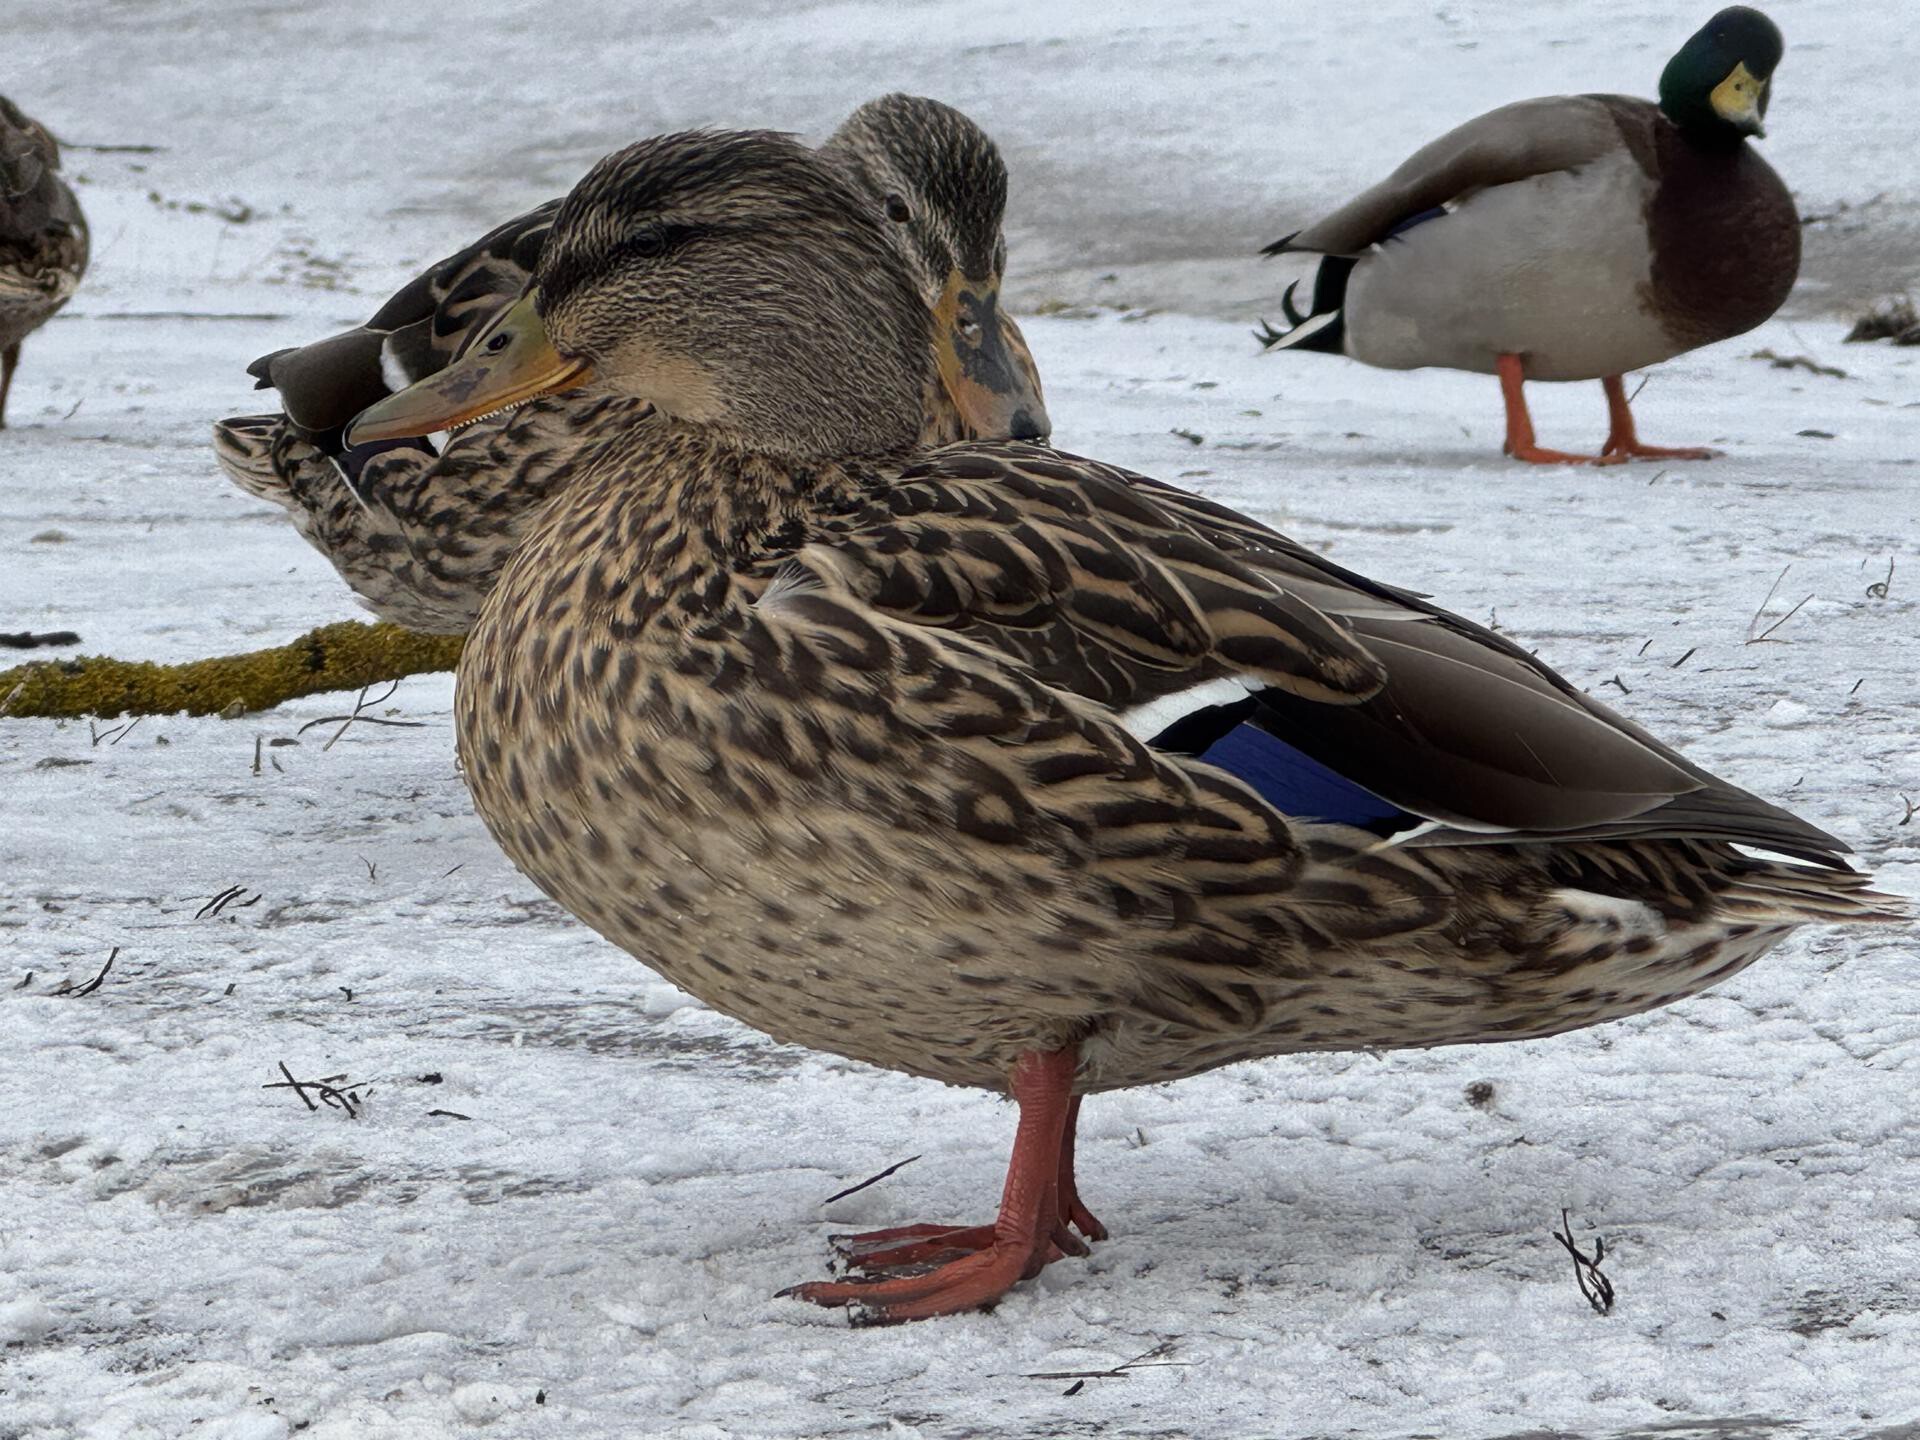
(509, 363)
(985, 364)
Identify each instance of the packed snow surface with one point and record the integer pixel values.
(566, 1192)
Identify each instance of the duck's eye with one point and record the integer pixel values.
(898, 210)
(650, 243)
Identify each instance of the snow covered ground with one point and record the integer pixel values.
(569, 1192)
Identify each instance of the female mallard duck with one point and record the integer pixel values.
(1570, 238)
(420, 534)
(1011, 769)
(43, 237)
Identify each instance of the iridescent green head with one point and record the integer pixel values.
(1717, 86)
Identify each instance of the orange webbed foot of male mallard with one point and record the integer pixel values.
(1520, 442)
(1624, 444)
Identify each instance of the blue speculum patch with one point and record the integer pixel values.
(1296, 784)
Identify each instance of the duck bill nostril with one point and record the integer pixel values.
(985, 364)
(1740, 100)
(510, 363)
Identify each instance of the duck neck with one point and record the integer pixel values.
(1701, 127)
(659, 524)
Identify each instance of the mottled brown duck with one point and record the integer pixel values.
(1570, 238)
(43, 237)
(419, 532)
(1011, 769)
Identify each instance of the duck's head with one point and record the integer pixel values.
(737, 281)
(28, 155)
(942, 188)
(1718, 85)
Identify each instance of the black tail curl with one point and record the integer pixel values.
(1323, 326)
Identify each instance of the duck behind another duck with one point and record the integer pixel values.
(420, 533)
(1009, 768)
(1570, 238)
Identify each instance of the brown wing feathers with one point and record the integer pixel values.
(1086, 579)
(1122, 590)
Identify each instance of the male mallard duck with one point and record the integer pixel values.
(43, 237)
(1570, 238)
(421, 534)
(1008, 768)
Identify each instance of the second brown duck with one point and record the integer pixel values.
(419, 532)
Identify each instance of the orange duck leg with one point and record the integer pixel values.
(917, 1271)
(1520, 443)
(1623, 442)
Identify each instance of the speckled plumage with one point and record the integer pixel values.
(420, 535)
(836, 735)
(889, 812)
(43, 237)
(715, 685)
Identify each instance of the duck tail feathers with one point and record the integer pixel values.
(1321, 327)
(1774, 892)
(1280, 246)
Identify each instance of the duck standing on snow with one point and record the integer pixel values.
(43, 237)
(1575, 237)
(1008, 768)
(420, 533)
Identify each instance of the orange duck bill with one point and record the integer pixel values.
(508, 364)
(985, 364)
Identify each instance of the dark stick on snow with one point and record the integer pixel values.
(1754, 624)
(333, 1090)
(1145, 1360)
(94, 984)
(29, 640)
(294, 1085)
(114, 149)
(360, 705)
(1879, 589)
(1595, 1288)
(226, 897)
(113, 736)
(870, 1180)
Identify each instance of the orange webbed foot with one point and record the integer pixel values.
(1634, 450)
(914, 1272)
(1536, 455)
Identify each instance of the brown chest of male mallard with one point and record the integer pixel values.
(419, 531)
(43, 237)
(1570, 238)
(1008, 768)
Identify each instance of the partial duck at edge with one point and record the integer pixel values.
(43, 237)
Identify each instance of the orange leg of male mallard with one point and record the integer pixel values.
(1621, 440)
(1520, 443)
(917, 1271)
